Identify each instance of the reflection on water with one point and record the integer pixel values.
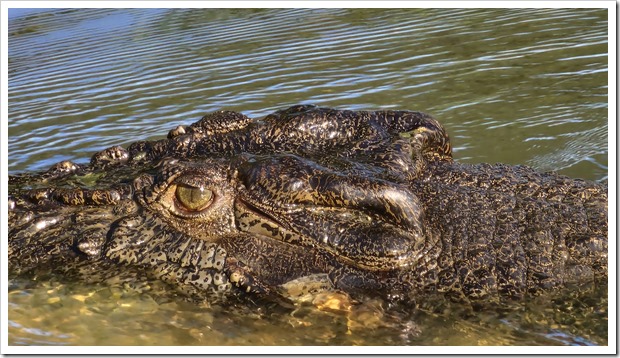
(514, 86)
(62, 314)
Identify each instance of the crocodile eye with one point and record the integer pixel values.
(193, 198)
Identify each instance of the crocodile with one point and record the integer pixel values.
(309, 199)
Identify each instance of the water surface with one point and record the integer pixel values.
(515, 86)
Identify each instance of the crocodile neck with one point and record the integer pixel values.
(510, 231)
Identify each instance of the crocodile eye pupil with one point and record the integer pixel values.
(193, 198)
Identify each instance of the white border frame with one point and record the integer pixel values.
(612, 95)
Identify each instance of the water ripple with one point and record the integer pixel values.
(124, 74)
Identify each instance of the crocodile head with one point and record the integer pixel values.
(309, 198)
(231, 204)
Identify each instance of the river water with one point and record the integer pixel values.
(519, 86)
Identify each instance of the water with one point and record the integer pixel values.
(510, 85)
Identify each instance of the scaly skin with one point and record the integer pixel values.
(511, 231)
(364, 202)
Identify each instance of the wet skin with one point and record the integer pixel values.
(309, 199)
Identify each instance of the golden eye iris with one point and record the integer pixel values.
(193, 198)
